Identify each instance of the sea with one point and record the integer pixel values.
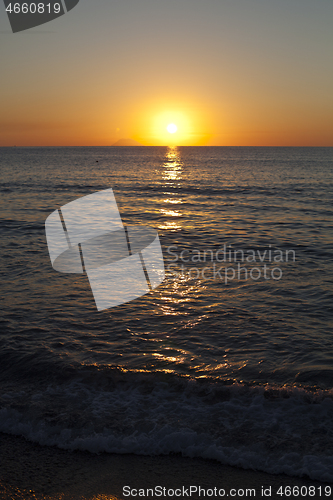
(230, 358)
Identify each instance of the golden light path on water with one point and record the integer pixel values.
(172, 175)
(180, 290)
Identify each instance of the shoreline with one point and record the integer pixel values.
(29, 470)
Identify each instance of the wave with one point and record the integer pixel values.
(276, 430)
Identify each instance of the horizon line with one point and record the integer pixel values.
(160, 146)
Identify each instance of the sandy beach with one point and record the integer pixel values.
(29, 470)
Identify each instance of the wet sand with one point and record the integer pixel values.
(30, 471)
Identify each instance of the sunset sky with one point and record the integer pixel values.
(225, 72)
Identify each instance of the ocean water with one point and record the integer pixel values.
(230, 358)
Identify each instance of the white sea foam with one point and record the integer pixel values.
(278, 431)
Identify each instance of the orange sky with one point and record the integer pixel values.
(240, 72)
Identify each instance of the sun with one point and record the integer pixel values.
(172, 128)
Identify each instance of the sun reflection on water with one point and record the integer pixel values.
(172, 165)
(171, 213)
(172, 177)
